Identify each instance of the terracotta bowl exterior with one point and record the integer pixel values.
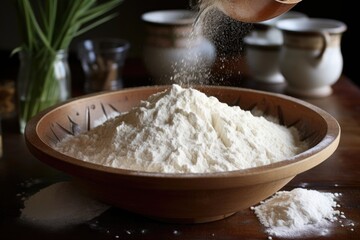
(255, 10)
(181, 198)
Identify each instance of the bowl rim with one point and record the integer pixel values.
(174, 17)
(308, 159)
(311, 25)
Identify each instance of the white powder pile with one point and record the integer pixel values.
(181, 130)
(298, 212)
(60, 205)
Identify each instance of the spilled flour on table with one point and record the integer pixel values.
(182, 130)
(299, 213)
(60, 205)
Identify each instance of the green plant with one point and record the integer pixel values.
(47, 27)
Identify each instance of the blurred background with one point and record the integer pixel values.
(128, 25)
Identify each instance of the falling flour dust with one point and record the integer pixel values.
(60, 205)
(182, 130)
(221, 44)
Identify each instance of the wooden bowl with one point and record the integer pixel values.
(181, 198)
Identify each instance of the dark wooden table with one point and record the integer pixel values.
(22, 175)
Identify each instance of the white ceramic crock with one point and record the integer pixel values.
(267, 29)
(173, 46)
(311, 59)
(262, 58)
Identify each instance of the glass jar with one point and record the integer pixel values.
(43, 80)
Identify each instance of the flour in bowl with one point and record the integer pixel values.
(182, 130)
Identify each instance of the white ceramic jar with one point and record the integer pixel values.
(267, 29)
(262, 58)
(174, 51)
(263, 45)
(311, 59)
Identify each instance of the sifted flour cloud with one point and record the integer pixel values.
(181, 130)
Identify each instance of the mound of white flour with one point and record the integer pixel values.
(298, 212)
(181, 130)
